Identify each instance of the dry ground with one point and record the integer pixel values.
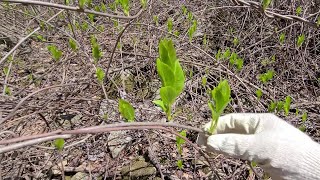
(132, 75)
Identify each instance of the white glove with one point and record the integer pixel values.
(278, 147)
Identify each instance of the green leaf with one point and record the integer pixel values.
(239, 64)
(170, 25)
(227, 53)
(126, 110)
(180, 141)
(264, 78)
(100, 75)
(7, 90)
(302, 128)
(272, 106)
(282, 37)
(221, 96)
(204, 41)
(192, 30)
(184, 10)
(125, 6)
(286, 106)
(165, 73)
(280, 105)
(179, 77)
(297, 112)
(300, 40)
(82, 3)
(218, 55)
(156, 20)
(304, 117)
(143, 3)
(160, 104)
(55, 52)
(91, 17)
(318, 21)
(180, 164)
(235, 41)
(73, 44)
(6, 70)
(103, 7)
(298, 10)
(233, 58)
(190, 16)
(59, 144)
(204, 80)
(168, 95)
(265, 4)
(259, 93)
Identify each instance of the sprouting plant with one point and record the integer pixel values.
(59, 144)
(96, 53)
(180, 164)
(82, 3)
(235, 41)
(280, 105)
(171, 75)
(218, 55)
(126, 110)
(125, 6)
(300, 40)
(100, 75)
(318, 21)
(113, 6)
(143, 3)
(265, 4)
(204, 81)
(265, 77)
(233, 58)
(298, 10)
(91, 17)
(304, 117)
(282, 37)
(55, 52)
(7, 90)
(192, 30)
(170, 25)
(84, 26)
(156, 20)
(273, 58)
(227, 53)
(220, 97)
(179, 143)
(259, 93)
(286, 106)
(190, 16)
(239, 64)
(101, 27)
(204, 41)
(176, 33)
(184, 10)
(103, 7)
(73, 44)
(297, 112)
(272, 106)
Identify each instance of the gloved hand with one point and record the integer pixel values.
(278, 147)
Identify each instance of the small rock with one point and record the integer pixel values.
(117, 141)
(138, 170)
(80, 176)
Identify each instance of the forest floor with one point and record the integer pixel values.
(41, 95)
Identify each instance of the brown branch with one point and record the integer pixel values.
(72, 8)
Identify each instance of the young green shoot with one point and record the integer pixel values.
(220, 98)
(179, 143)
(227, 53)
(55, 52)
(156, 20)
(170, 25)
(300, 40)
(304, 117)
(218, 55)
(265, 4)
(286, 106)
(192, 30)
(96, 53)
(272, 106)
(282, 37)
(126, 110)
(259, 93)
(143, 3)
(298, 11)
(59, 144)
(125, 6)
(235, 41)
(265, 77)
(184, 10)
(100, 75)
(171, 75)
(73, 45)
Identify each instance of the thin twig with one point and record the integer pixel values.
(21, 102)
(72, 8)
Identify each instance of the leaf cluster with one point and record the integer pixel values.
(267, 76)
(220, 97)
(171, 75)
(55, 52)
